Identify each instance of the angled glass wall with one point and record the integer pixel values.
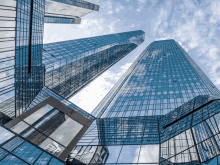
(67, 11)
(14, 149)
(70, 65)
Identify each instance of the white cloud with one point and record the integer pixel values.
(119, 7)
(92, 26)
(112, 25)
(107, 7)
(98, 89)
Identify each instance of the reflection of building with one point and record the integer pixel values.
(163, 110)
(70, 65)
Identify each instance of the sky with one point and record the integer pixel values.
(194, 24)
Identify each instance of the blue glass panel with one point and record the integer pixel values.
(3, 153)
(12, 144)
(12, 160)
(27, 152)
(43, 159)
(55, 162)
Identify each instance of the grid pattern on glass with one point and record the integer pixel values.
(70, 65)
(118, 131)
(29, 71)
(201, 112)
(46, 93)
(88, 155)
(188, 134)
(121, 154)
(198, 144)
(7, 52)
(49, 128)
(163, 79)
(17, 150)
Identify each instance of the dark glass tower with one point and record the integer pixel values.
(70, 65)
(164, 110)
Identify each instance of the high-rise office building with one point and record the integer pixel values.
(68, 68)
(161, 79)
(164, 110)
(40, 126)
(70, 65)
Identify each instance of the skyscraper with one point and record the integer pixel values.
(70, 65)
(161, 79)
(24, 59)
(164, 110)
(22, 23)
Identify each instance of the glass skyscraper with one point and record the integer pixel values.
(22, 23)
(38, 124)
(24, 59)
(70, 65)
(164, 110)
(161, 79)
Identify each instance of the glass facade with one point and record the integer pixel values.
(67, 11)
(70, 65)
(164, 110)
(14, 149)
(161, 79)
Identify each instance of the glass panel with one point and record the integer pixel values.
(149, 154)
(55, 162)
(5, 135)
(52, 147)
(21, 126)
(38, 114)
(66, 132)
(10, 159)
(12, 144)
(3, 153)
(27, 152)
(114, 152)
(129, 154)
(43, 159)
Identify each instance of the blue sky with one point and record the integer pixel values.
(194, 24)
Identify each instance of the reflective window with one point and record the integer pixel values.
(21, 126)
(129, 154)
(149, 154)
(66, 132)
(38, 114)
(5, 135)
(52, 147)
